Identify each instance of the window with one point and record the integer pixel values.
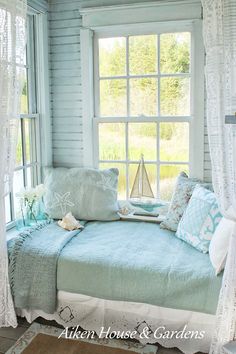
(144, 104)
(27, 171)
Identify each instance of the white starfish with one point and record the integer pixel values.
(63, 201)
(106, 182)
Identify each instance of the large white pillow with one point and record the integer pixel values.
(219, 244)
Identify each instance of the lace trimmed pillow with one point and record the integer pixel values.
(181, 196)
(200, 219)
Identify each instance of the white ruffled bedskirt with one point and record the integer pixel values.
(94, 314)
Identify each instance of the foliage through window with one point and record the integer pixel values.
(27, 154)
(142, 106)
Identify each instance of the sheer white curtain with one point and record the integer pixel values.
(219, 32)
(12, 56)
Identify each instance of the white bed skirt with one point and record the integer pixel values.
(95, 314)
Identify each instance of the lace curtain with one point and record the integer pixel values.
(12, 56)
(219, 32)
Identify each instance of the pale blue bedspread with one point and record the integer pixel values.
(138, 262)
(33, 259)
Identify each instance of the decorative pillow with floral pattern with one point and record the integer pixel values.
(179, 202)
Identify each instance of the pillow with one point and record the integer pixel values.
(89, 194)
(200, 219)
(219, 244)
(183, 191)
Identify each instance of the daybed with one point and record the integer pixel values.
(126, 275)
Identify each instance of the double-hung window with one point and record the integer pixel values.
(145, 105)
(27, 170)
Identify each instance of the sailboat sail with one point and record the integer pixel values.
(141, 186)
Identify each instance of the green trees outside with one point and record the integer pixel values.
(143, 60)
(24, 109)
(165, 95)
(24, 102)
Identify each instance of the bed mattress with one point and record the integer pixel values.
(138, 262)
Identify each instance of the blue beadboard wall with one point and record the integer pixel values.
(65, 82)
(38, 5)
(65, 78)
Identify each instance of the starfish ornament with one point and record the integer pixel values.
(106, 182)
(62, 200)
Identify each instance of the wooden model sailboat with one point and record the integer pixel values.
(141, 188)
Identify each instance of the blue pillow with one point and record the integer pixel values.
(89, 194)
(200, 219)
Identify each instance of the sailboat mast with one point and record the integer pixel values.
(142, 163)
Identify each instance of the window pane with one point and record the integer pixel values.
(143, 55)
(18, 184)
(112, 141)
(30, 148)
(112, 56)
(122, 177)
(27, 140)
(142, 140)
(143, 97)
(21, 28)
(29, 173)
(24, 95)
(174, 142)
(7, 209)
(152, 175)
(175, 52)
(168, 175)
(113, 98)
(32, 176)
(175, 96)
(19, 158)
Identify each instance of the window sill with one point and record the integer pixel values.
(12, 233)
(10, 225)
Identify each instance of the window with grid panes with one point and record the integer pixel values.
(143, 106)
(27, 169)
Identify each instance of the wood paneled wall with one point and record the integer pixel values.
(65, 78)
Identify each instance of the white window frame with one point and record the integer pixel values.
(39, 106)
(89, 49)
(196, 120)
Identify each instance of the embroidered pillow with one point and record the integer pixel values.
(183, 192)
(89, 194)
(200, 219)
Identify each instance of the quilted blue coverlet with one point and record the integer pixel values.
(118, 260)
(138, 262)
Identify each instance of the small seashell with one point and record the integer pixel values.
(70, 223)
(125, 211)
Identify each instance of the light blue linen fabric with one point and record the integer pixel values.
(138, 262)
(89, 194)
(33, 256)
(200, 219)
